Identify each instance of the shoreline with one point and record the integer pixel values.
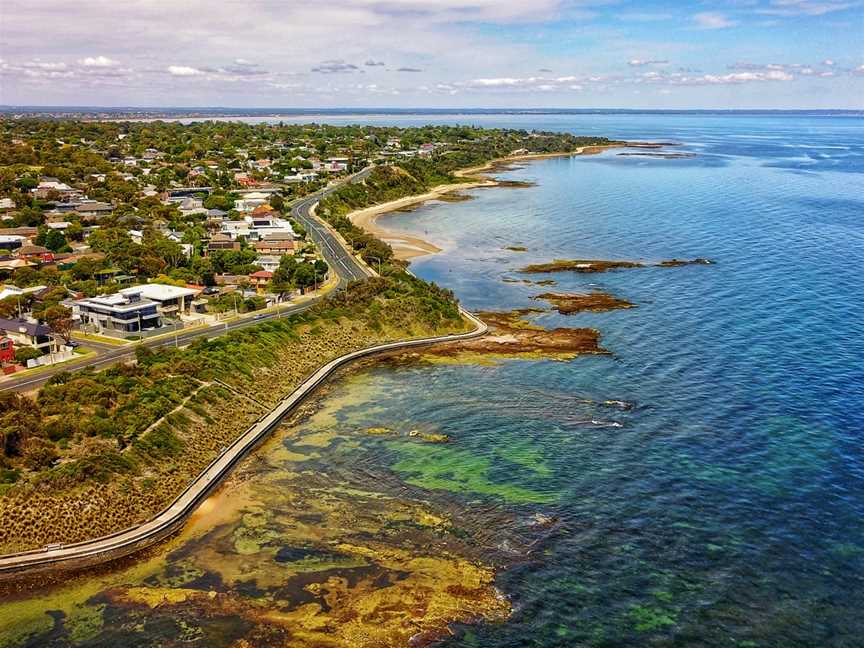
(408, 246)
(76, 555)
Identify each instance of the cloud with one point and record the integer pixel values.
(710, 20)
(828, 62)
(408, 69)
(38, 64)
(641, 62)
(374, 63)
(791, 8)
(537, 83)
(337, 66)
(183, 71)
(733, 78)
(97, 61)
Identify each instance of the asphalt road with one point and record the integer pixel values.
(346, 267)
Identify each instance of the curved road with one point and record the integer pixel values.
(346, 267)
(343, 263)
(122, 543)
(172, 518)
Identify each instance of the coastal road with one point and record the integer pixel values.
(109, 547)
(346, 267)
(343, 263)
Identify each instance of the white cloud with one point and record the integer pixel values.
(710, 20)
(733, 78)
(97, 61)
(828, 62)
(789, 8)
(642, 62)
(183, 71)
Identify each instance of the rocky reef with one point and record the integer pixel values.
(588, 266)
(570, 303)
(512, 335)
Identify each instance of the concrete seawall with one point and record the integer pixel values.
(122, 543)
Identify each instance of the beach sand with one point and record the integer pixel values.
(408, 246)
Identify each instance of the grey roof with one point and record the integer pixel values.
(15, 325)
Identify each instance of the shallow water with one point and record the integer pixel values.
(703, 485)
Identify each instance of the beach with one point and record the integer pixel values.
(408, 246)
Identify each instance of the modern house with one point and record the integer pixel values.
(118, 314)
(257, 228)
(171, 301)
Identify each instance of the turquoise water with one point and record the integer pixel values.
(703, 485)
(727, 507)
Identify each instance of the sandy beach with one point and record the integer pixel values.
(408, 246)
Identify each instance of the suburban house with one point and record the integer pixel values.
(118, 314)
(15, 291)
(260, 280)
(35, 253)
(7, 350)
(276, 243)
(171, 301)
(28, 333)
(250, 201)
(192, 206)
(222, 242)
(269, 263)
(49, 185)
(11, 243)
(94, 210)
(256, 228)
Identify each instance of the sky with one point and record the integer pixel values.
(713, 54)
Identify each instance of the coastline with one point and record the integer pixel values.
(409, 246)
(76, 555)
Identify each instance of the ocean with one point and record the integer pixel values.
(700, 485)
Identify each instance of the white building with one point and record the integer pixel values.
(171, 301)
(255, 228)
(250, 201)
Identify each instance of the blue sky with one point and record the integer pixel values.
(434, 53)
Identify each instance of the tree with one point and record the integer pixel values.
(59, 319)
(20, 419)
(277, 202)
(304, 276)
(54, 240)
(23, 354)
(75, 231)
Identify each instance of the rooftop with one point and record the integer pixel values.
(159, 292)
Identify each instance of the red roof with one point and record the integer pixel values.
(262, 274)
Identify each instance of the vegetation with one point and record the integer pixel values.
(137, 433)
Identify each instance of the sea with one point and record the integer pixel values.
(702, 484)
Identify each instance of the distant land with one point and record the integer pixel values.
(155, 112)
